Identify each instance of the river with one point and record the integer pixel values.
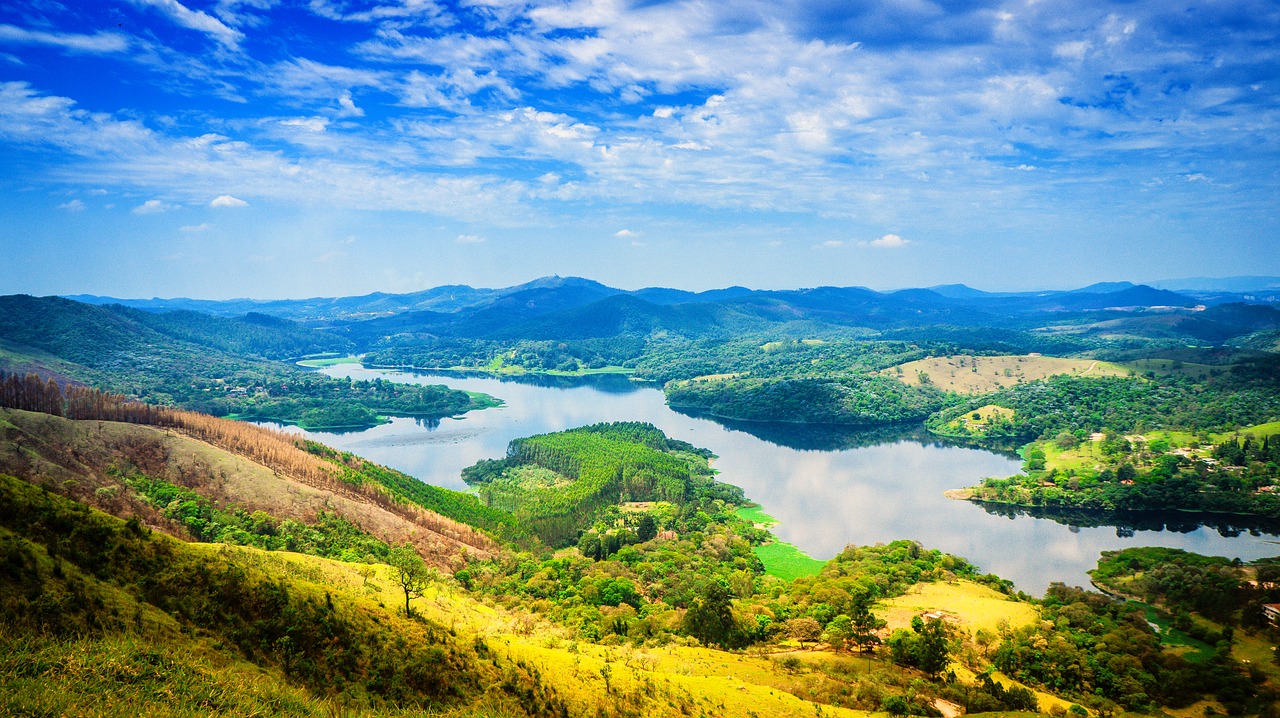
(828, 487)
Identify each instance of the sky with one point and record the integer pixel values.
(297, 148)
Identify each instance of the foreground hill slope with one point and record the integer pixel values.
(105, 464)
(104, 617)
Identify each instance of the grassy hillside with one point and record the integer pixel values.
(104, 617)
(984, 374)
(124, 469)
(180, 625)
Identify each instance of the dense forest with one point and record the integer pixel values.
(213, 365)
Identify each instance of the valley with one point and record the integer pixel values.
(642, 503)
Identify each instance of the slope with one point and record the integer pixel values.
(103, 464)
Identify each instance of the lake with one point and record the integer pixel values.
(827, 486)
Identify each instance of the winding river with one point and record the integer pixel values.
(828, 487)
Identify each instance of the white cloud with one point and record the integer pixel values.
(626, 233)
(832, 243)
(196, 228)
(152, 206)
(196, 20)
(98, 43)
(226, 200)
(347, 107)
(469, 239)
(74, 205)
(889, 241)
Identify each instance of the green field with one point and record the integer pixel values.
(756, 515)
(780, 559)
(1197, 650)
(321, 362)
(787, 562)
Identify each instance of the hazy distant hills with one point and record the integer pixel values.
(573, 308)
(548, 294)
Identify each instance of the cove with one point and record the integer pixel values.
(827, 486)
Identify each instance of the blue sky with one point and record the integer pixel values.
(275, 148)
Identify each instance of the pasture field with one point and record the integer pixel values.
(966, 604)
(971, 375)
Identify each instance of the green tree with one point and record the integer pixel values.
(804, 629)
(924, 647)
(411, 573)
(864, 625)
(710, 616)
(838, 632)
(648, 527)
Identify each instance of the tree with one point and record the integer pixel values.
(648, 527)
(864, 625)
(411, 573)
(805, 629)
(710, 616)
(924, 647)
(838, 632)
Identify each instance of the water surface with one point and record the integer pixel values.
(828, 486)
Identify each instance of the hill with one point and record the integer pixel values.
(210, 364)
(215, 471)
(968, 374)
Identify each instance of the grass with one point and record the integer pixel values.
(782, 560)
(985, 415)
(756, 515)
(786, 561)
(1195, 650)
(973, 606)
(322, 362)
(957, 373)
(1087, 459)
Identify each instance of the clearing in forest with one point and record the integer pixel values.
(966, 374)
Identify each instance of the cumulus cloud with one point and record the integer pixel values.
(889, 241)
(152, 206)
(469, 239)
(226, 200)
(74, 205)
(626, 233)
(347, 106)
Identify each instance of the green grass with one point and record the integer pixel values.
(780, 559)
(1172, 637)
(787, 562)
(756, 515)
(484, 401)
(590, 372)
(328, 361)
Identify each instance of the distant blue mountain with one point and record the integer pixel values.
(1234, 285)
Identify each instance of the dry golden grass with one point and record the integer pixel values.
(981, 375)
(969, 605)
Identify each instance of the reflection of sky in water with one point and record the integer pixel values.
(823, 499)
